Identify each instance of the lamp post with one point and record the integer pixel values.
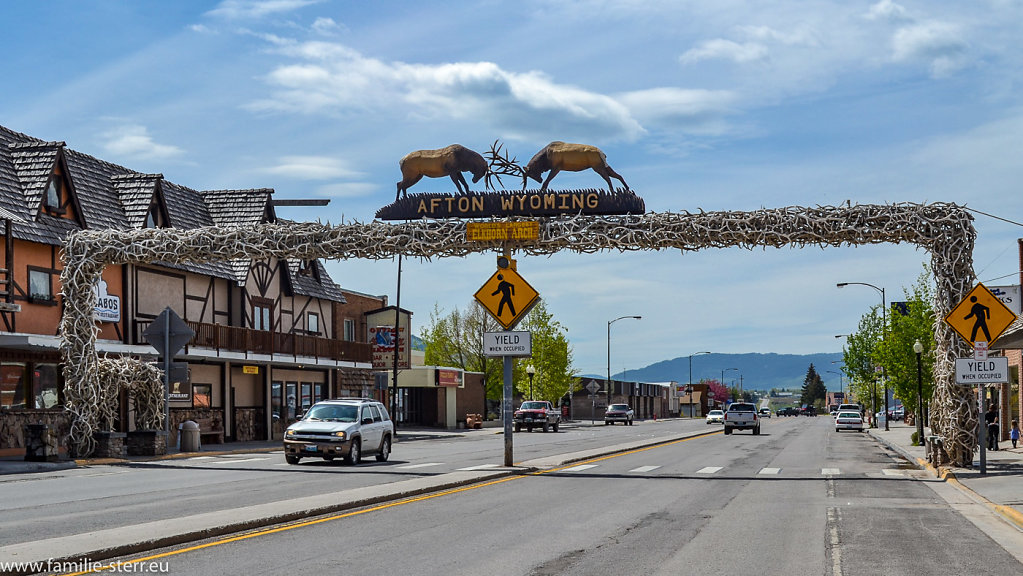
(609, 323)
(530, 371)
(884, 329)
(691, 381)
(919, 348)
(841, 384)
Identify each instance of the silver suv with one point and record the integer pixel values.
(346, 427)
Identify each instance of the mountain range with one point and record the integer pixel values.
(757, 371)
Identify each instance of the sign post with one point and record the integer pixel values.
(168, 334)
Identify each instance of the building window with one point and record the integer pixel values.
(313, 323)
(12, 386)
(39, 287)
(46, 385)
(153, 217)
(202, 395)
(349, 330)
(262, 314)
(52, 201)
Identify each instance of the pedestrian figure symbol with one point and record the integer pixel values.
(980, 313)
(507, 290)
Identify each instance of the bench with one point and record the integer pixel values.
(208, 429)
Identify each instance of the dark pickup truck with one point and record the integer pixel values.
(537, 414)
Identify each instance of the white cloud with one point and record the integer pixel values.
(255, 9)
(348, 190)
(312, 168)
(886, 10)
(334, 79)
(134, 141)
(326, 26)
(721, 49)
(939, 43)
(695, 110)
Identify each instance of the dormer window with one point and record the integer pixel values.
(52, 199)
(154, 218)
(305, 267)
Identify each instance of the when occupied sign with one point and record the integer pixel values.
(507, 344)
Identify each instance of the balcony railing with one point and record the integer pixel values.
(236, 339)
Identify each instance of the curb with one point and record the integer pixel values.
(1008, 513)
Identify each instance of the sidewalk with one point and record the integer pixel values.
(1000, 489)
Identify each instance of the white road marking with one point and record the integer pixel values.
(645, 469)
(580, 468)
(830, 471)
(233, 461)
(424, 465)
(769, 471)
(480, 467)
(709, 470)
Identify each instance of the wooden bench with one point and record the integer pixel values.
(209, 429)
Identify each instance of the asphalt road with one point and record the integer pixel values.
(81, 500)
(799, 499)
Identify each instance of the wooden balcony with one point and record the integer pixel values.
(235, 339)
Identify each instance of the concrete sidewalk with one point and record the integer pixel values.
(1000, 489)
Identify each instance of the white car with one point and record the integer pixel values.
(848, 421)
(346, 428)
(715, 417)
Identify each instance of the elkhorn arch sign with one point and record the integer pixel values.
(945, 230)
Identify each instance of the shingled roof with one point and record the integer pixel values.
(110, 196)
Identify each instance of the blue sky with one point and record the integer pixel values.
(711, 106)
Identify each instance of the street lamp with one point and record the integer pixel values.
(884, 328)
(919, 348)
(609, 323)
(530, 371)
(841, 384)
(691, 381)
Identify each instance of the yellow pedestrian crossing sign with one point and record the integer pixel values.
(980, 316)
(507, 296)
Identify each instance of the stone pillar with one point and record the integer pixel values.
(147, 442)
(40, 443)
(110, 444)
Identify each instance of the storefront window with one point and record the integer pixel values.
(292, 399)
(12, 385)
(46, 385)
(317, 392)
(202, 395)
(276, 399)
(307, 396)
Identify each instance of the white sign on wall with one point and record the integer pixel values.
(1009, 295)
(108, 306)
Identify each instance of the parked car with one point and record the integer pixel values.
(765, 412)
(715, 417)
(618, 413)
(346, 428)
(537, 413)
(848, 421)
(788, 411)
(741, 416)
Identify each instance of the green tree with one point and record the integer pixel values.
(552, 357)
(813, 393)
(895, 351)
(859, 358)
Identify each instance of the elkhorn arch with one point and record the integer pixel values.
(943, 229)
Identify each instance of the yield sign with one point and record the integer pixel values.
(168, 333)
(980, 316)
(507, 296)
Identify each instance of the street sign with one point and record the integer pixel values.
(507, 296)
(980, 316)
(168, 333)
(507, 344)
(593, 387)
(993, 370)
(491, 231)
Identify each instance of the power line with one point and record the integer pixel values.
(992, 216)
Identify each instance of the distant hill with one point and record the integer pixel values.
(759, 371)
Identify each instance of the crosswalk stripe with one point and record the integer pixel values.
(830, 471)
(424, 465)
(645, 469)
(480, 467)
(579, 468)
(709, 470)
(769, 470)
(234, 461)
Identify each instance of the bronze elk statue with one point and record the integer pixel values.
(448, 161)
(558, 156)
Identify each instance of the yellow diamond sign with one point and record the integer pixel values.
(980, 316)
(507, 296)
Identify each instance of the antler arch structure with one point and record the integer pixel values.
(945, 230)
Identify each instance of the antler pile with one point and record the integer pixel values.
(501, 165)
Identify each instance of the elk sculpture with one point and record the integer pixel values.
(558, 156)
(448, 161)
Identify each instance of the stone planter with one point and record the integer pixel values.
(110, 444)
(147, 443)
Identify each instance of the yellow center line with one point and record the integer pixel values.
(402, 502)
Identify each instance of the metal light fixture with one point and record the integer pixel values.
(530, 371)
(884, 330)
(691, 415)
(609, 323)
(919, 349)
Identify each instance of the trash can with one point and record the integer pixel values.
(188, 435)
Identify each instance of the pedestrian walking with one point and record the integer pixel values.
(1014, 433)
(991, 418)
